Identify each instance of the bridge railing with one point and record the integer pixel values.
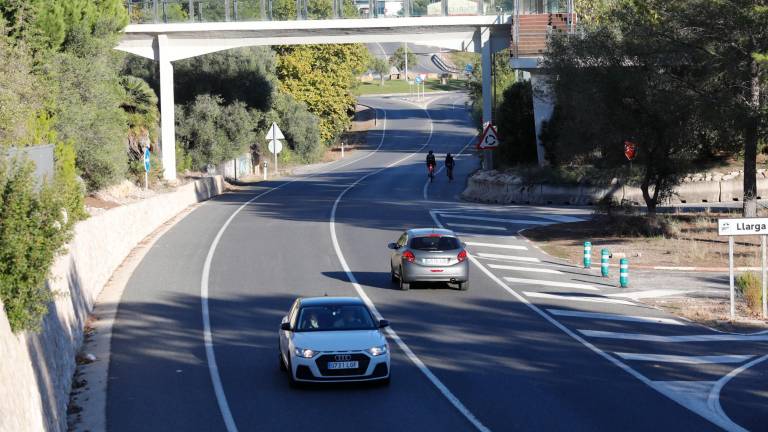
(171, 11)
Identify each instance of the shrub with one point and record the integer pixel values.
(750, 287)
(33, 229)
(517, 130)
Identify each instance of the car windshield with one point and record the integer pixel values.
(435, 243)
(334, 317)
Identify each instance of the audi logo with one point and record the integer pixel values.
(342, 357)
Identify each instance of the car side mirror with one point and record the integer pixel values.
(393, 246)
(286, 326)
(383, 323)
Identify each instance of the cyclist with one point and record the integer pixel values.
(449, 164)
(431, 163)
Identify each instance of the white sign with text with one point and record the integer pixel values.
(746, 226)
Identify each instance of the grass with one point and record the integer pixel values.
(401, 86)
(750, 287)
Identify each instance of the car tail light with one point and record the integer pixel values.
(409, 256)
(462, 256)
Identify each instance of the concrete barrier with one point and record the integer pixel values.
(496, 187)
(36, 370)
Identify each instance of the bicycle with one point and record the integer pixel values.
(431, 172)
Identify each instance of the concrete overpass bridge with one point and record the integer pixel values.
(444, 24)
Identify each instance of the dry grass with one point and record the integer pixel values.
(670, 240)
(712, 312)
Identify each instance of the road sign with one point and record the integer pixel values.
(147, 165)
(423, 77)
(274, 133)
(469, 68)
(630, 150)
(275, 146)
(742, 226)
(489, 139)
(418, 79)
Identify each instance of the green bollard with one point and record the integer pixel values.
(587, 255)
(624, 272)
(604, 257)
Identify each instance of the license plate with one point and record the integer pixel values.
(342, 365)
(437, 261)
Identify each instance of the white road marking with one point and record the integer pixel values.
(524, 269)
(390, 332)
(561, 218)
(551, 283)
(614, 317)
(507, 257)
(674, 339)
(486, 227)
(210, 354)
(714, 414)
(565, 297)
(713, 400)
(665, 358)
(495, 245)
(485, 236)
(647, 294)
(492, 219)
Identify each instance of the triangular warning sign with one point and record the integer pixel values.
(274, 133)
(489, 139)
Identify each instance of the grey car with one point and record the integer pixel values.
(429, 255)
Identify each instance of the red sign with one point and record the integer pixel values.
(489, 139)
(630, 150)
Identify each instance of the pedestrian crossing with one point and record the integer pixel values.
(676, 357)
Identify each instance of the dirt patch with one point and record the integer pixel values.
(681, 240)
(712, 312)
(355, 137)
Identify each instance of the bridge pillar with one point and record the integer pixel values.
(487, 86)
(167, 122)
(543, 106)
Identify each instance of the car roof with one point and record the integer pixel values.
(323, 301)
(418, 232)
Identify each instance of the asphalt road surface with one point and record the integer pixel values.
(535, 344)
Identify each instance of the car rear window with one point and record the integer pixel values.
(435, 243)
(334, 317)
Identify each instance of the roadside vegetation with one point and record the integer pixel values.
(401, 86)
(65, 85)
(685, 81)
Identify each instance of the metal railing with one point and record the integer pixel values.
(170, 11)
(559, 12)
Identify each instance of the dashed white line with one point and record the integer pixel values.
(496, 245)
(666, 358)
(614, 317)
(493, 219)
(674, 339)
(565, 297)
(485, 227)
(485, 236)
(507, 257)
(551, 283)
(390, 332)
(524, 269)
(648, 294)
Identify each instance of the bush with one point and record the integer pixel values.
(750, 287)
(301, 128)
(33, 229)
(517, 128)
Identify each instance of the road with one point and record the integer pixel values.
(535, 344)
(423, 54)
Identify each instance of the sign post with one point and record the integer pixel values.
(764, 280)
(743, 227)
(418, 86)
(147, 167)
(489, 140)
(275, 146)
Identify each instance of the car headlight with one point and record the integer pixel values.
(304, 352)
(378, 350)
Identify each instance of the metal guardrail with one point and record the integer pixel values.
(169, 11)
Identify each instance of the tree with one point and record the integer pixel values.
(516, 125)
(379, 66)
(140, 106)
(212, 132)
(398, 59)
(322, 77)
(622, 85)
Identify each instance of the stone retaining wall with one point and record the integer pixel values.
(36, 368)
(498, 187)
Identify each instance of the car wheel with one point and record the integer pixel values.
(404, 286)
(463, 286)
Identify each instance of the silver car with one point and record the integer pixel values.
(429, 255)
